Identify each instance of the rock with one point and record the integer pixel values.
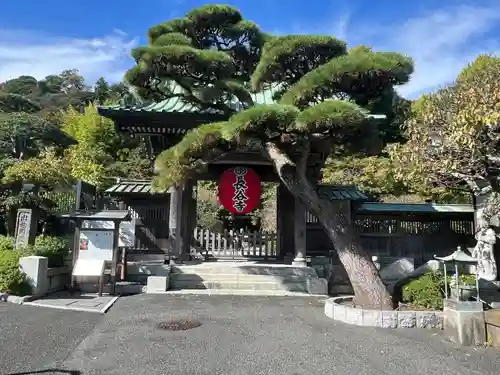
(430, 266)
(317, 286)
(397, 270)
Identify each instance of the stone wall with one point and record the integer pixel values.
(339, 309)
(41, 278)
(492, 320)
(58, 278)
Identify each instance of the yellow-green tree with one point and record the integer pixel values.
(94, 135)
(101, 152)
(45, 170)
(453, 136)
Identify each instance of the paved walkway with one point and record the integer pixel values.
(238, 336)
(76, 302)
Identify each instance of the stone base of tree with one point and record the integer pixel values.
(336, 309)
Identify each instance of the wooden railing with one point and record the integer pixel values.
(236, 243)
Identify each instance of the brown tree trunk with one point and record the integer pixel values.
(369, 290)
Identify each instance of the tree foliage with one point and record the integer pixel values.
(24, 135)
(17, 103)
(46, 96)
(210, 54)
(373, 175)
(39, 121)
(101, 90)
(48, 170)
(23, 85)
(453, 135)
(212, 58)
(100, 152)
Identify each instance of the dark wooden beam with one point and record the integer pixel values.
(214, 171)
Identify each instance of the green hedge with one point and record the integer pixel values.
(54, 248)
(12, 280)
(6, 243)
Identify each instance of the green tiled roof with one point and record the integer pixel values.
(125, 187)
(341, 192)
(417, 207)
(130, 187)
(331, 192)
(177, 104)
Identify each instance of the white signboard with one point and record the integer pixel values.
(97, 245)
(88, 267)
(126, 231)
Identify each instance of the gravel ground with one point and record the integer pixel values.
(255, 335)
(34, 339)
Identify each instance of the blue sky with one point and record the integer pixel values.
(40, 38)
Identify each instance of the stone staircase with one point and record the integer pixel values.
(245, 278)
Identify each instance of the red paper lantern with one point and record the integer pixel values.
(239, 190)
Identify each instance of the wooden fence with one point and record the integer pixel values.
(235, 244)
(402, 234)
(419, 239)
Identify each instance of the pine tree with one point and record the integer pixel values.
(212, 58)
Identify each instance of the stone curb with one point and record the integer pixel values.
(4, 297)
(31, 301)
(381, 318)
(82, 309)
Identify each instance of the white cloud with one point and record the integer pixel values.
(444, 42)
(37, 54)
(441, 42)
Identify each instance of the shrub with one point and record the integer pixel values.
(54, 248)
(12, 280)
(426, 291)
(465, 280)
(6, 243)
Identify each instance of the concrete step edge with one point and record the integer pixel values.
(273, 282)
(241, 272)
(239, 276)
(246, 286)
(242, 292)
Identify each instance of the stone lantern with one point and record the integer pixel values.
(457, 259)
(463, 320)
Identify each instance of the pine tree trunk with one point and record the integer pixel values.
(369, 290)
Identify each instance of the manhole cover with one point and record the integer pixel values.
(179, 324)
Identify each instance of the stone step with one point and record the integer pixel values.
(240, 292)
(245, 270)
(203, 276)
(239, 285)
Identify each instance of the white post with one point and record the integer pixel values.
(35, 268)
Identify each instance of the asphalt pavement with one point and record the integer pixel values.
(238, 335)
(35, 338)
